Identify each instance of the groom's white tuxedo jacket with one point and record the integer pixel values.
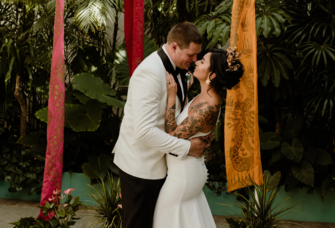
(142, 144)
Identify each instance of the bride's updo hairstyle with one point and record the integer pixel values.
(228, 73)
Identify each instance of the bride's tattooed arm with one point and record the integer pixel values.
(200, 116)
(170, 119)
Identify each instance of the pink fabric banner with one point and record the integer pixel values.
(53, 170)
(134, 32)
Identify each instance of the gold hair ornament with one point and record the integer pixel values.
(232, 56)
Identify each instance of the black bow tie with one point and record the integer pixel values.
(177, 71)
(169, 68)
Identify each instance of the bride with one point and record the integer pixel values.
(181, 202)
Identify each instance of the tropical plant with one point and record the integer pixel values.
(98, 167)
(270, 18)
(216, 24)
(260, 211)
(96, 15)
(294, 155)
(311, 35)
(31, 222)
(122, 68)
(63, 214)
(328, 184)
(90, 46)
(271, 23)
(161, 16)
(20, 167)
(106, 201)
(273, 64)
(17, 53)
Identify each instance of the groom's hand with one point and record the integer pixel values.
(208, 139)
(197, 147)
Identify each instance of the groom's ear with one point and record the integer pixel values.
(174, 46)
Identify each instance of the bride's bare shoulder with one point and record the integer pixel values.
(211, 103)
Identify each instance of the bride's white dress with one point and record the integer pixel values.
(181, 202)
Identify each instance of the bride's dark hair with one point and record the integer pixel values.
(219, 65)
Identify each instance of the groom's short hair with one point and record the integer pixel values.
(183, 34)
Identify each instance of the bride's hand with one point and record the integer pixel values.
(171, 87)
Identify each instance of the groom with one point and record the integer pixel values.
(143, 144)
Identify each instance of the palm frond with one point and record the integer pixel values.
(313, 52)
(273, 63)
(95, 15)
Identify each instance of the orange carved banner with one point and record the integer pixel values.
(242, 147)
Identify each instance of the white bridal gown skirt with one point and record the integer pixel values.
(181, 202)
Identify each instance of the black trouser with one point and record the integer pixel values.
(139, 198)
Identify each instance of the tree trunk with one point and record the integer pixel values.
(19, 96)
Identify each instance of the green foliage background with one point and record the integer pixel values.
(296, 65)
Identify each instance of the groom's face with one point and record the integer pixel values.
(184, 57)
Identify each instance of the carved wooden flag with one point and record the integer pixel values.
(242, 146)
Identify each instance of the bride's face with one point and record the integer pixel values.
(201, 71)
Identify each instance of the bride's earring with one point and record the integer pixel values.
(208, 81)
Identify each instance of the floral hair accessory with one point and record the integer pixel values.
(232, 56)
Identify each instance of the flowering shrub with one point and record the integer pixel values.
(62, 214)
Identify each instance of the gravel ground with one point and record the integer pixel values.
(14, 213)
(13, 210)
